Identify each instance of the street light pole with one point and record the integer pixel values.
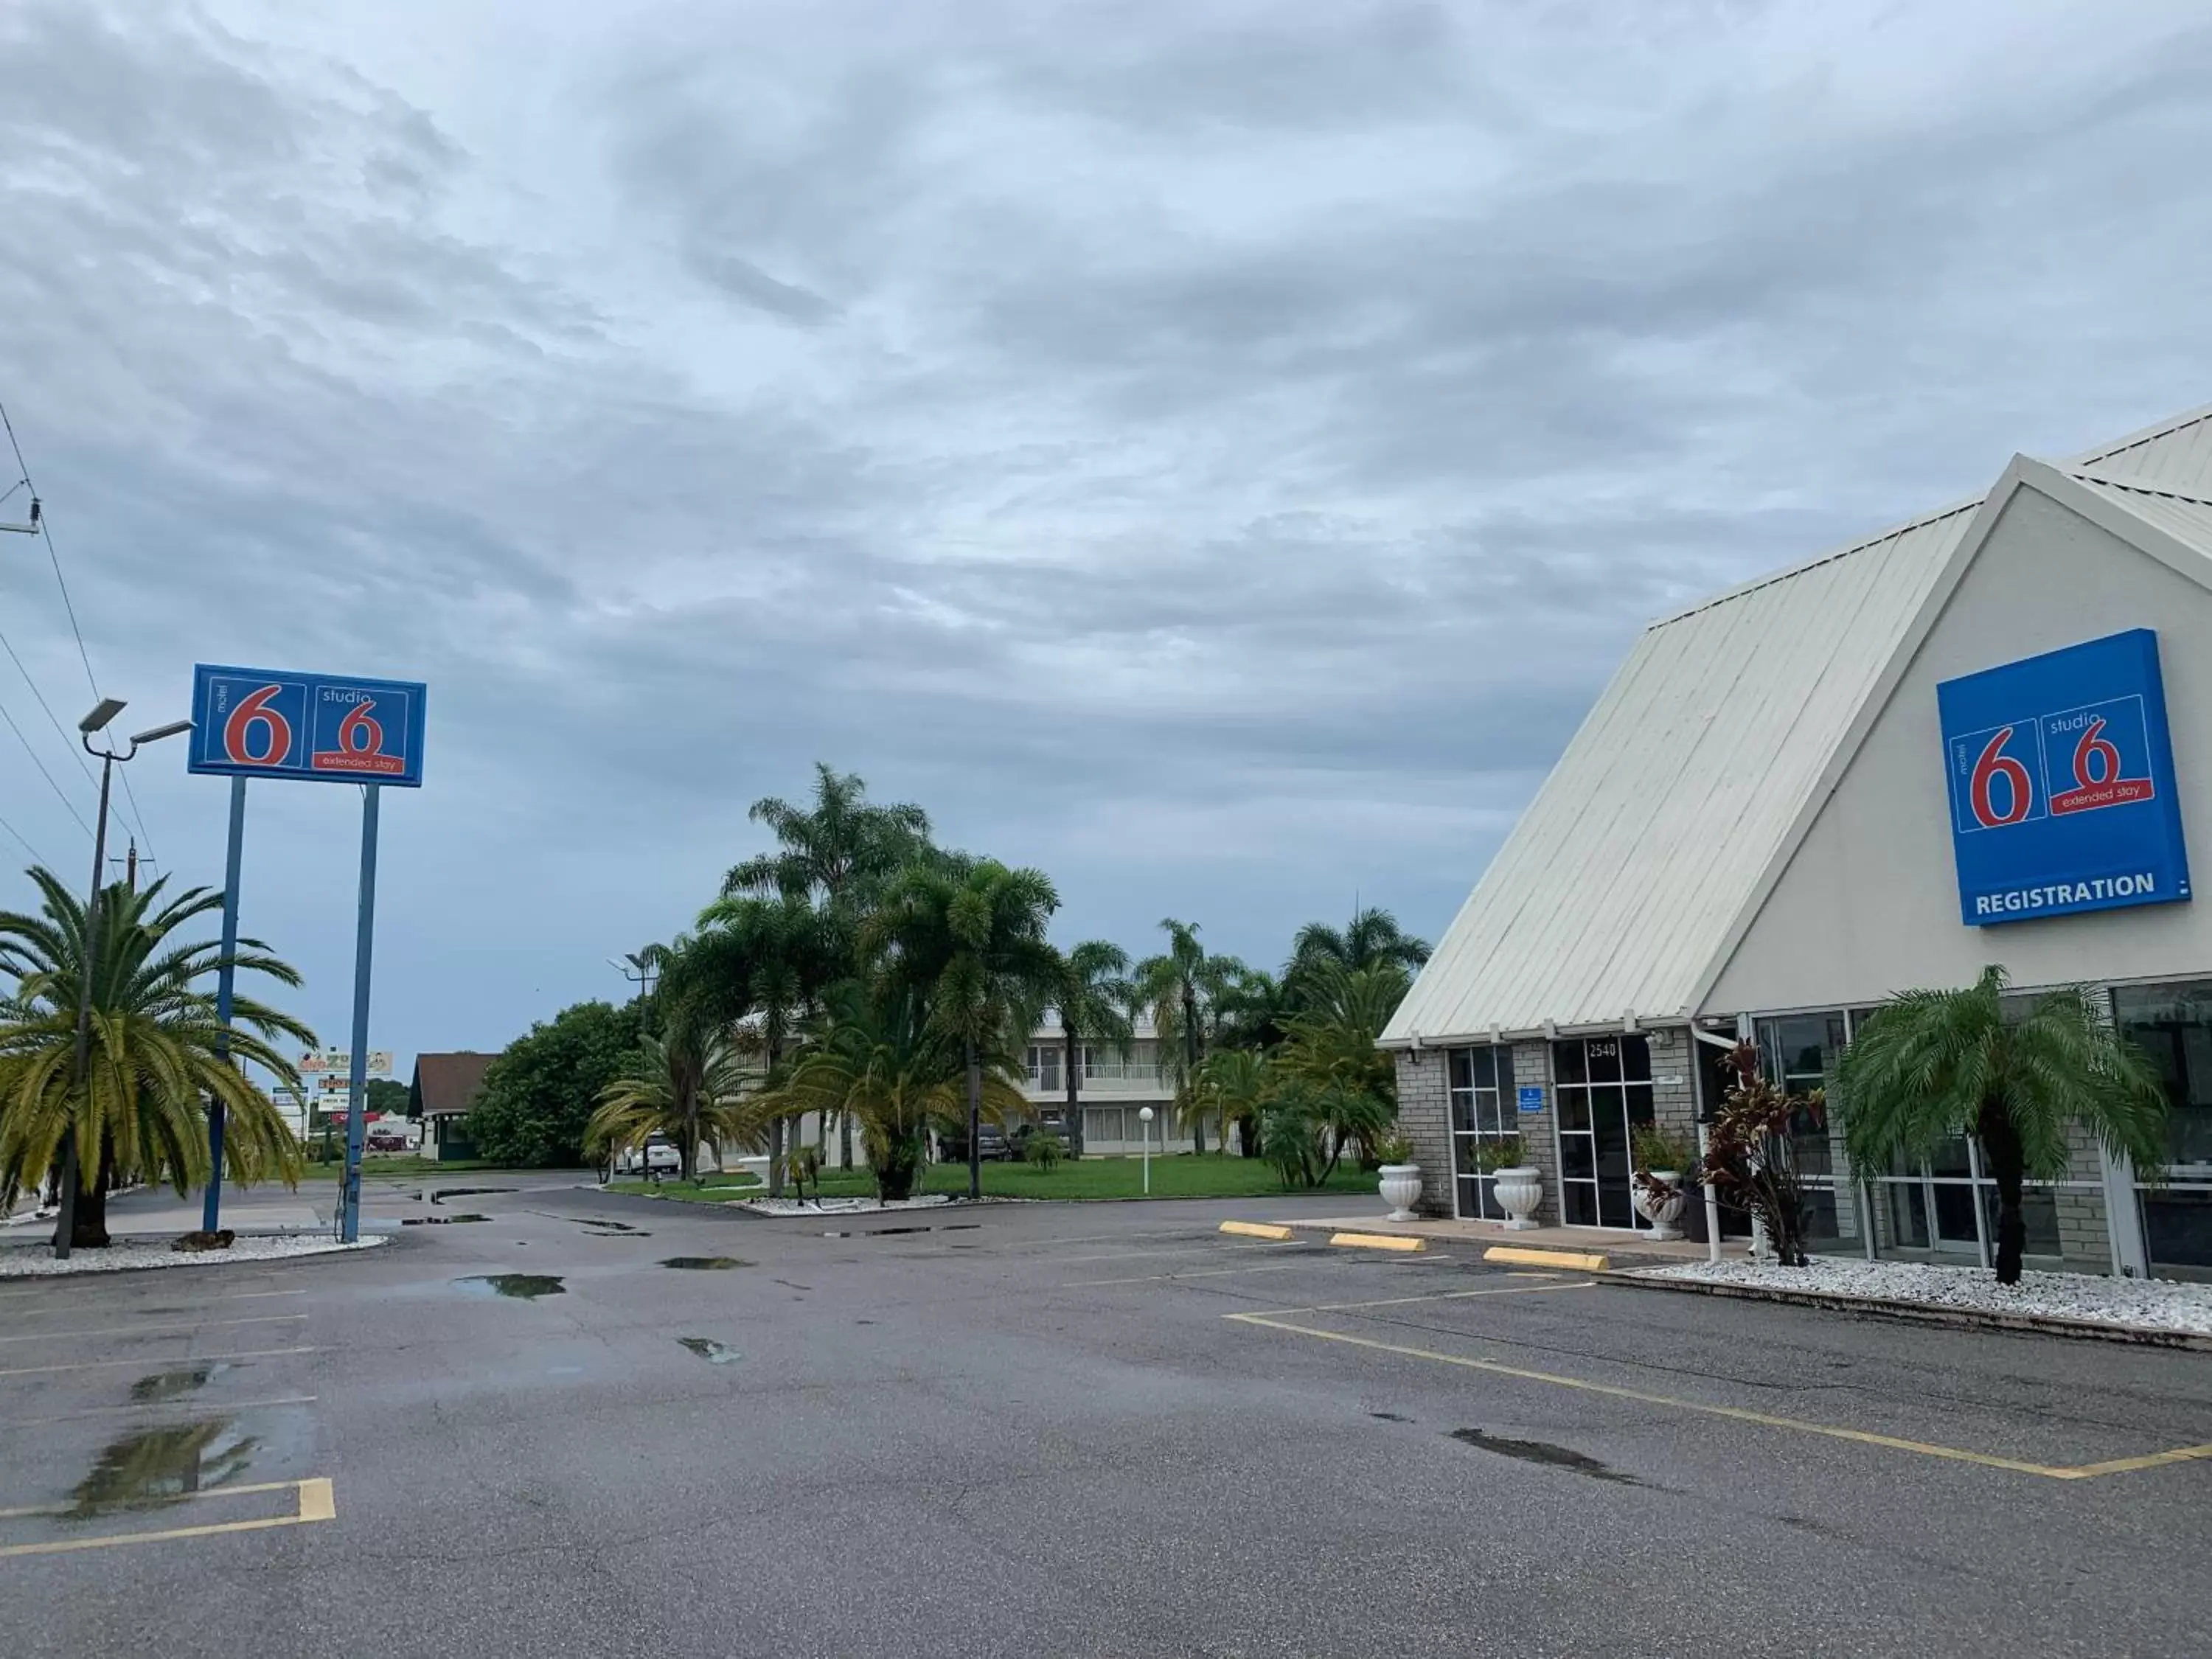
(80, 1072)
(1144, 1128)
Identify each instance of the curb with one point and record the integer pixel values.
(1585, 1261)
(1404, 1243)
(1923, 1313)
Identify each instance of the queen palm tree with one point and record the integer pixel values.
(883, 1064)
(1329, 1047)
(1930, 1065)
(1184, 986)
(838, 854)
(1373, 939)
(1233, 1086)
(1092, 994)
(138, 1112)
(687, 1083)
(963, 940)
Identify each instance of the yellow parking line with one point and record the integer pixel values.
(140, 1359)
(140, 1330)
(316, 1501)
(1738, 1414)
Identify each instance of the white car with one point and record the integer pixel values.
(654, 1157)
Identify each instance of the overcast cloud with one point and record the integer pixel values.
(1213, 452)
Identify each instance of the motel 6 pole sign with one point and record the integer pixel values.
(317, 728)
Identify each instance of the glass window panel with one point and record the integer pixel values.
(1501, 1061)
(1908, 1214)
(1460, 1068)
(1636, 1059)
(1567, 1063)
(1577, 1158)
(2172, 1023)
(2177, 1231)
(1603, 1057)
(1613, 1205)
(1639, 1102)
(1578, 1199)
(1493, 1114)
(1574, 1108)
(2038, 1214)
(1463, 1109)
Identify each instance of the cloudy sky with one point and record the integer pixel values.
(1213, 452)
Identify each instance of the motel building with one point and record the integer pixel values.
(1981, 736)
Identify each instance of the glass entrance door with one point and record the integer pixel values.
(1603, 1089)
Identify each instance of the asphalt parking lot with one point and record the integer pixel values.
(585, 1425)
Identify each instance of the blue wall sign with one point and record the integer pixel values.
(1531, 1096)
(249, 722)
(2060, 770)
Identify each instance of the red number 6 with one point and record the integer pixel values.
(2095, 746)
(358, 734)
(238, 730)
(1994, 764)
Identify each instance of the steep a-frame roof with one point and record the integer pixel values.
(1632, 872)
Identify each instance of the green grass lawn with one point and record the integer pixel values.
(1182, 1176)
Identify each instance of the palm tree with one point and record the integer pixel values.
(1233, 1085)
(1093, 998)
(1184, 987)
(686, 1085)
(964, 940)
(838, 853)
(766, 960)
(883, 1064)
(1330, 1048)
(139, 1110)
(1930, 1065)
(1374, 939)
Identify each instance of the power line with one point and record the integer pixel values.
(68, 605)
(36, 858)
(75, 751)
(41, 765)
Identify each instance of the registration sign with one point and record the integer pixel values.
(2060, 774)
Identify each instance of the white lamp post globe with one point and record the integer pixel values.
(1143, 1114)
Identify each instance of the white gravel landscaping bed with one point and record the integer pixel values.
(2152, 1304)
(37, 1260)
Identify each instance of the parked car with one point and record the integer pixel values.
(991, 1145)
(656, 1156)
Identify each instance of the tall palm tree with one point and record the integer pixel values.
(764, 960)
(139, 1110)
(1373, 939)
(688, 1085)
(1184, 986)
(964, 940)
(1233, 1086)
(838, 854)
(883, 1064)
(1930, 1065)
(1092, 995)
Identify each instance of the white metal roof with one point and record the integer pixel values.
(1616, 892)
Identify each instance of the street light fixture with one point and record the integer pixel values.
(1144, 1123)
(97, 720)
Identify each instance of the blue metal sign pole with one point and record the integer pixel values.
(211, 1204)
(357, 1089)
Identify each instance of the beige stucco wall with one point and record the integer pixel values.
(1870, 904)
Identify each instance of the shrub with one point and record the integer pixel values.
(1043, 1150)
(1507, 1152)
(1656, 1148)
(1747, 1157)
(1394, 1148)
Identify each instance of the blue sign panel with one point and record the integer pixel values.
(2061, 776)
(260, 724)
(1531, 1096)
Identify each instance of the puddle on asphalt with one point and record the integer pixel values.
(1543, 1451)
(603, 1226)
(444, 1192)
(526, 1287)
(960, 1226)
(157, 1388)
(1389, 1417)
(713, 1352)
(703, 1263)
(439, 1220)
(160, 1466)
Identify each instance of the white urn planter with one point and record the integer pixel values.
(1659, 1200)
(1401, 1189)
(1519, 1191)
